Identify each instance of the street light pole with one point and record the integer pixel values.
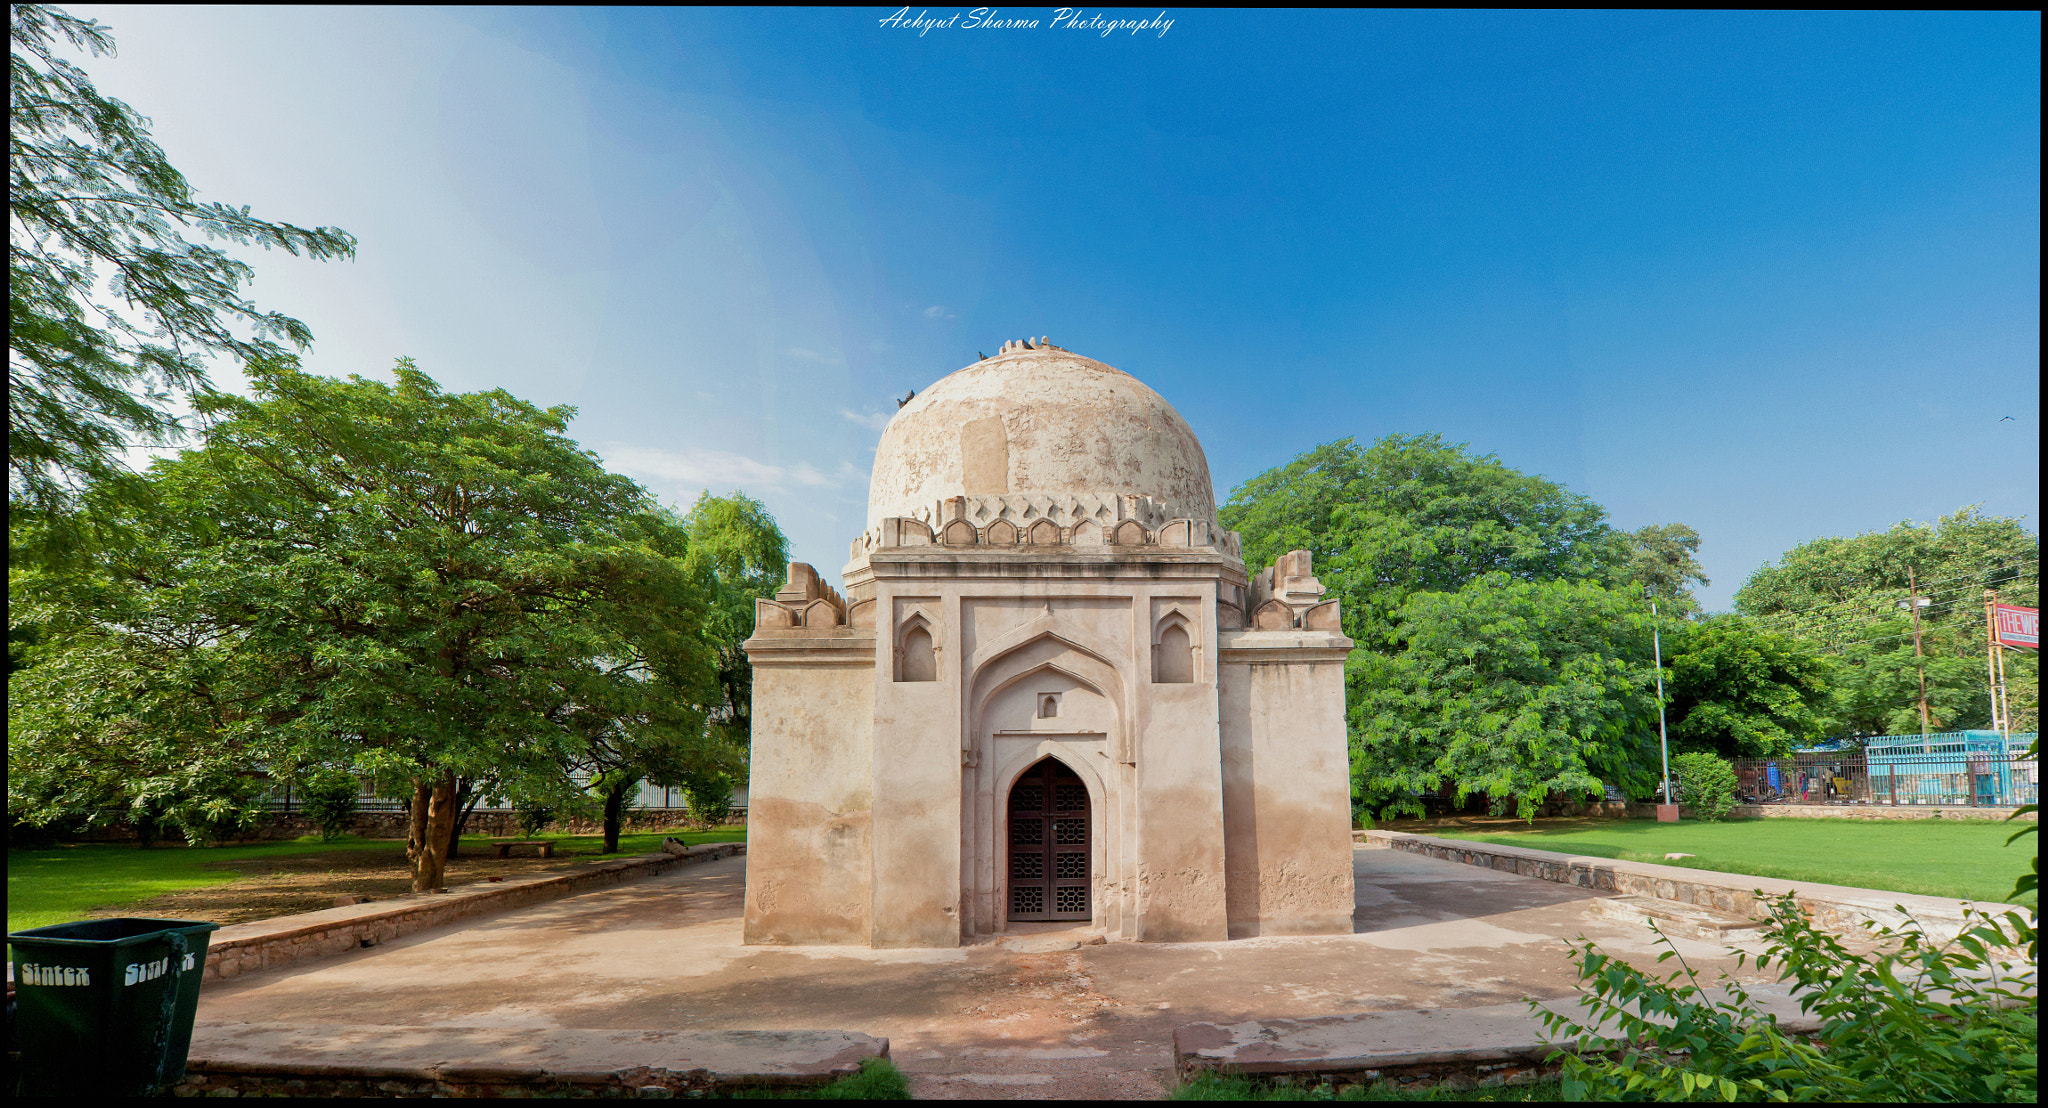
(1919, 659)
(1667, 812)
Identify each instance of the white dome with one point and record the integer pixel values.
(1039, 422)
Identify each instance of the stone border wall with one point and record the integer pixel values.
(392, 825)
(1840, 908)
(269, 944)
(1840, 811)
(203, 1079)
(1871, 811)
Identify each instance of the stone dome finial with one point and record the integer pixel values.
(1014, 345)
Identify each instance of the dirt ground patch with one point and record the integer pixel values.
(1036, 1015)
(283, 886)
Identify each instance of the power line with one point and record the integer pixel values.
(1969, 578)
(1878, 602)
(1865, 574)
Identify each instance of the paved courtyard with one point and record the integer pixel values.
(1035, 1016)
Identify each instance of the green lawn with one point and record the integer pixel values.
(62, 883)
(1935, 857)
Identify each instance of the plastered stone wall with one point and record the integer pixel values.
(1286, 794)
(811, 831)
(916, 782)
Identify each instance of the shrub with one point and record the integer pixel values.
(1706, 784)
(1912, 1021)
(532, 821)
(330, 798)
(710, 798)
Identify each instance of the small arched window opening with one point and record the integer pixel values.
(916, 659)
(1048, 705)
(1173, 659)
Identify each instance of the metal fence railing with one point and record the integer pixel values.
(285, 800)
(1953, 774)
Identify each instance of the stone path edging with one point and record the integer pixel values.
(355, 1060)
(268, 944)
(1497, 1044)
(1836, 907)
(1849, 811)
(1876, 811)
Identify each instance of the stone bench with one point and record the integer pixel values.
(1497, 1044)
(547, 848)
(230, 1059)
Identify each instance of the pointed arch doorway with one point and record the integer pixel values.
(1048, 837)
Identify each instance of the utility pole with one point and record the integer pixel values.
(1667, 812)
(1994, 666)
(1919, 659)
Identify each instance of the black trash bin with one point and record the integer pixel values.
(105, 1006)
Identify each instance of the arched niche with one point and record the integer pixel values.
(1046, 652)
(917, 652)
(1047, 699)
(1173, 649)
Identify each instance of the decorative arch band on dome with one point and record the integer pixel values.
(1024, 524)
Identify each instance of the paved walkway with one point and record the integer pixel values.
(1031, 1018)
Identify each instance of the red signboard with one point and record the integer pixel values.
(2017, 626)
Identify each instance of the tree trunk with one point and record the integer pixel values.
(615, 811)
(466, 797)
(433, 816)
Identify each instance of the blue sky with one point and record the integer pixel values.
(1774, 276)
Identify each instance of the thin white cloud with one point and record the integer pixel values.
(938, 311)
(826, 357)
(693, 468)
(873, 421)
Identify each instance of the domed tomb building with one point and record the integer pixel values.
(1050, 691)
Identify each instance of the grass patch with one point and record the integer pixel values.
(1945, 858)
(1212, 1086)
(59, 884)
(878, 1079)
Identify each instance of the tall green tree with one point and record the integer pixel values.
(1848, 597)
(419, 585)
(1494, 655)
(1739, 692)
(741, 555)
(1521, 690)
(112, 310)
(1412, 513)
(736, 554)
(1663, 558)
